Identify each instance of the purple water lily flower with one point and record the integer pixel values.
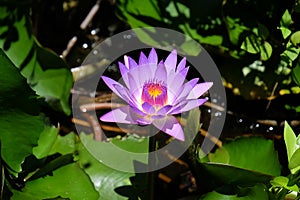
(155, 92)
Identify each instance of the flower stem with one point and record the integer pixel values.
(151, 165)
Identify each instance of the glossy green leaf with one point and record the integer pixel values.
(282, 181)
(254, 153)
(220, 156)
(46, 141)
(191, 48)
(54, 84)
(286, 19)
(256, 192)
(266, 50)
(106, 180)
(131, 9)
(251, 44)
(20, 123)
(118, 148)
(290, 140)
(24, 40)
(47, 74)
(295, 38)
(64, 144)
(291, 53)
(50, 143)
(69, 181)
(235, 29)
(294, 163)
(177, 10)
(285, 32)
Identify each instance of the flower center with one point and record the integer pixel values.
(154, 94)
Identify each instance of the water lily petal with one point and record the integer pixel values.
(161, 73)
(186, 106)
(184, 71)
(138, 111)
(181, 65)
(120, 90)
(175, 83)
(164, 110)
(133, 83)
(112, 83)
(138, 74)
(144, 121)
(124, 71)
(171, 126)
(185, 90)
(199, 89)
(126, 96)
(148, 108)
(143, 60)
(171, 60)
(121, 115)
(129, 62)
(152, 58)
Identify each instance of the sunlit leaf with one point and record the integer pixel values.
(286, 19)
(50, 143)
(118, 148)
(177, 10)
(235, 29)
(295, 38)
(294, 163)
(220, 156)
(254, 153)
(285, 32)
(251, 44)
(46, 141)
(69, 181)
(291, 52)
(266, 51)
(191, 48)
(64, 144)
(282, 181)
(290, 140)
(106, 180)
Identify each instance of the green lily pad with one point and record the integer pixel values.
(106, 180)
(124, 151)
(254, 153)
(69, 181)
(20, 123)
(50, 143)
